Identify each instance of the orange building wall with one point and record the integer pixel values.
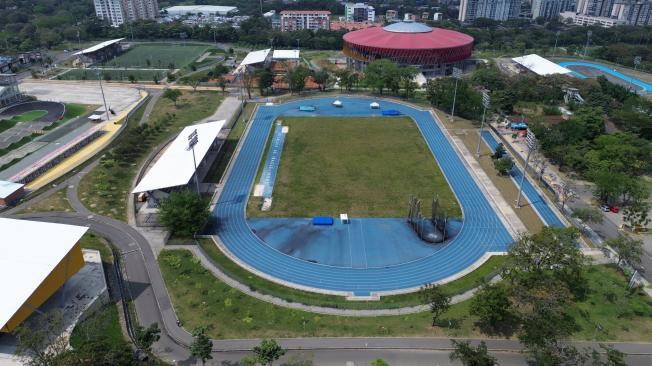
(69, 265)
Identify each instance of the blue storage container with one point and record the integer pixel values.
(322, 220)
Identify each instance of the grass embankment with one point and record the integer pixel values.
(364, 166)
(226, 152)
(28, 116)
(114, 74)
(105, 189)
(202, 300)
(463, 284)
(58, 201)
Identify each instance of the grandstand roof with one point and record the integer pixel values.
(29, 251)
(255, 57)
(285, 54)
(540, 65)
(7, 188)
(98, 46)
(175, 167)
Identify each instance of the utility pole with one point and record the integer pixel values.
(298, 48)
(531, 142)
(637, 61)
(193, 139)
(106, 109)
(485, 104)
(457, 74)
(554, 50)
(588, 40)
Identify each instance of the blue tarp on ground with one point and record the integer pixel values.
(322, 220)
(391, 112)
(307, 108)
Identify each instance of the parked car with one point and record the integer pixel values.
(614, 209)
(604, 208)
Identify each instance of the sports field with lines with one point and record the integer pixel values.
(367, 167)
(159, 55)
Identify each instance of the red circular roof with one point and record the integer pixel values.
(380, 38)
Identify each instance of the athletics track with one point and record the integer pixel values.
(482, 230)
(646, 87)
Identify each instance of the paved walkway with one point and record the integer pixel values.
(155, 95)
(227, 110)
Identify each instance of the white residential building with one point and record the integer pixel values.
(500, 10)
(580, 19)
(119, 11)
(359, 12)
(294, 20)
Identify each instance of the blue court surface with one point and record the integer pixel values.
(481, 232)
(364, 243)
(540, 205)
(646, 87)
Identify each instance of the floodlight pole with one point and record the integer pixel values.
(193, 139)
(106, 109)
(531, 144)
(554, 50)
(457, 74)
(637, 61)
(485, 105)
(588, 39)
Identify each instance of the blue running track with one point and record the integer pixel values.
(647, 88)
(482, 230)
(539, 204)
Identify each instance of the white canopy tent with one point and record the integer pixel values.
(175, 167)
(540, 65)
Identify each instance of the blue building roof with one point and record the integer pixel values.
(407, 27)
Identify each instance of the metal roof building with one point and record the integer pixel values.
(175, 167)
(36, 259)
(285, 55)
(540, 65)
(98, 47)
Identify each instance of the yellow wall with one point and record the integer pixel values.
(69, 265)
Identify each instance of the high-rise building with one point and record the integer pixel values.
(391, 15)
(470, 10)
(359, 12)
(598, 8)
(119, 11)
(293, 20)
(633, 12)
(550, 9)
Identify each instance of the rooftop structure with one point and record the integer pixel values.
(285, 55)
(540, 65)
(256, 57)
(204, 10)
(10, 192)
(98, 47)
(36, 258)
(175, 167)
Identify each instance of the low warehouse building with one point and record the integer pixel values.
(36, 259)
(10, 192)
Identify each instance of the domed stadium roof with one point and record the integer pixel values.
(407, 27)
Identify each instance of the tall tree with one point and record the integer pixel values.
(146, 337)
(471, 356)
(322, 78)
(268, 351)
(492, 306)
(588, 214)
(40, 340)
(184, 213)
(439, 302)
(201, 345)
(172, 94)
(265, 80)
(629, 250)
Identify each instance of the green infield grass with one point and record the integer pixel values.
(364, 166)
(159, 55)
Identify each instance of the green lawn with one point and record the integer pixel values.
(159, 55)
(488, 270)
(105, 189)
(202, 300)
(6, 124)
(366, 167)
(114, 74)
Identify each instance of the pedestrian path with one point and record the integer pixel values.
(539, 203)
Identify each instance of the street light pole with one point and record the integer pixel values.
(531, 141)
(588, 39)
(485, 104)
(457, 74)
(106, 109)
(193, 139)
(554, 50)
(637, 61)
